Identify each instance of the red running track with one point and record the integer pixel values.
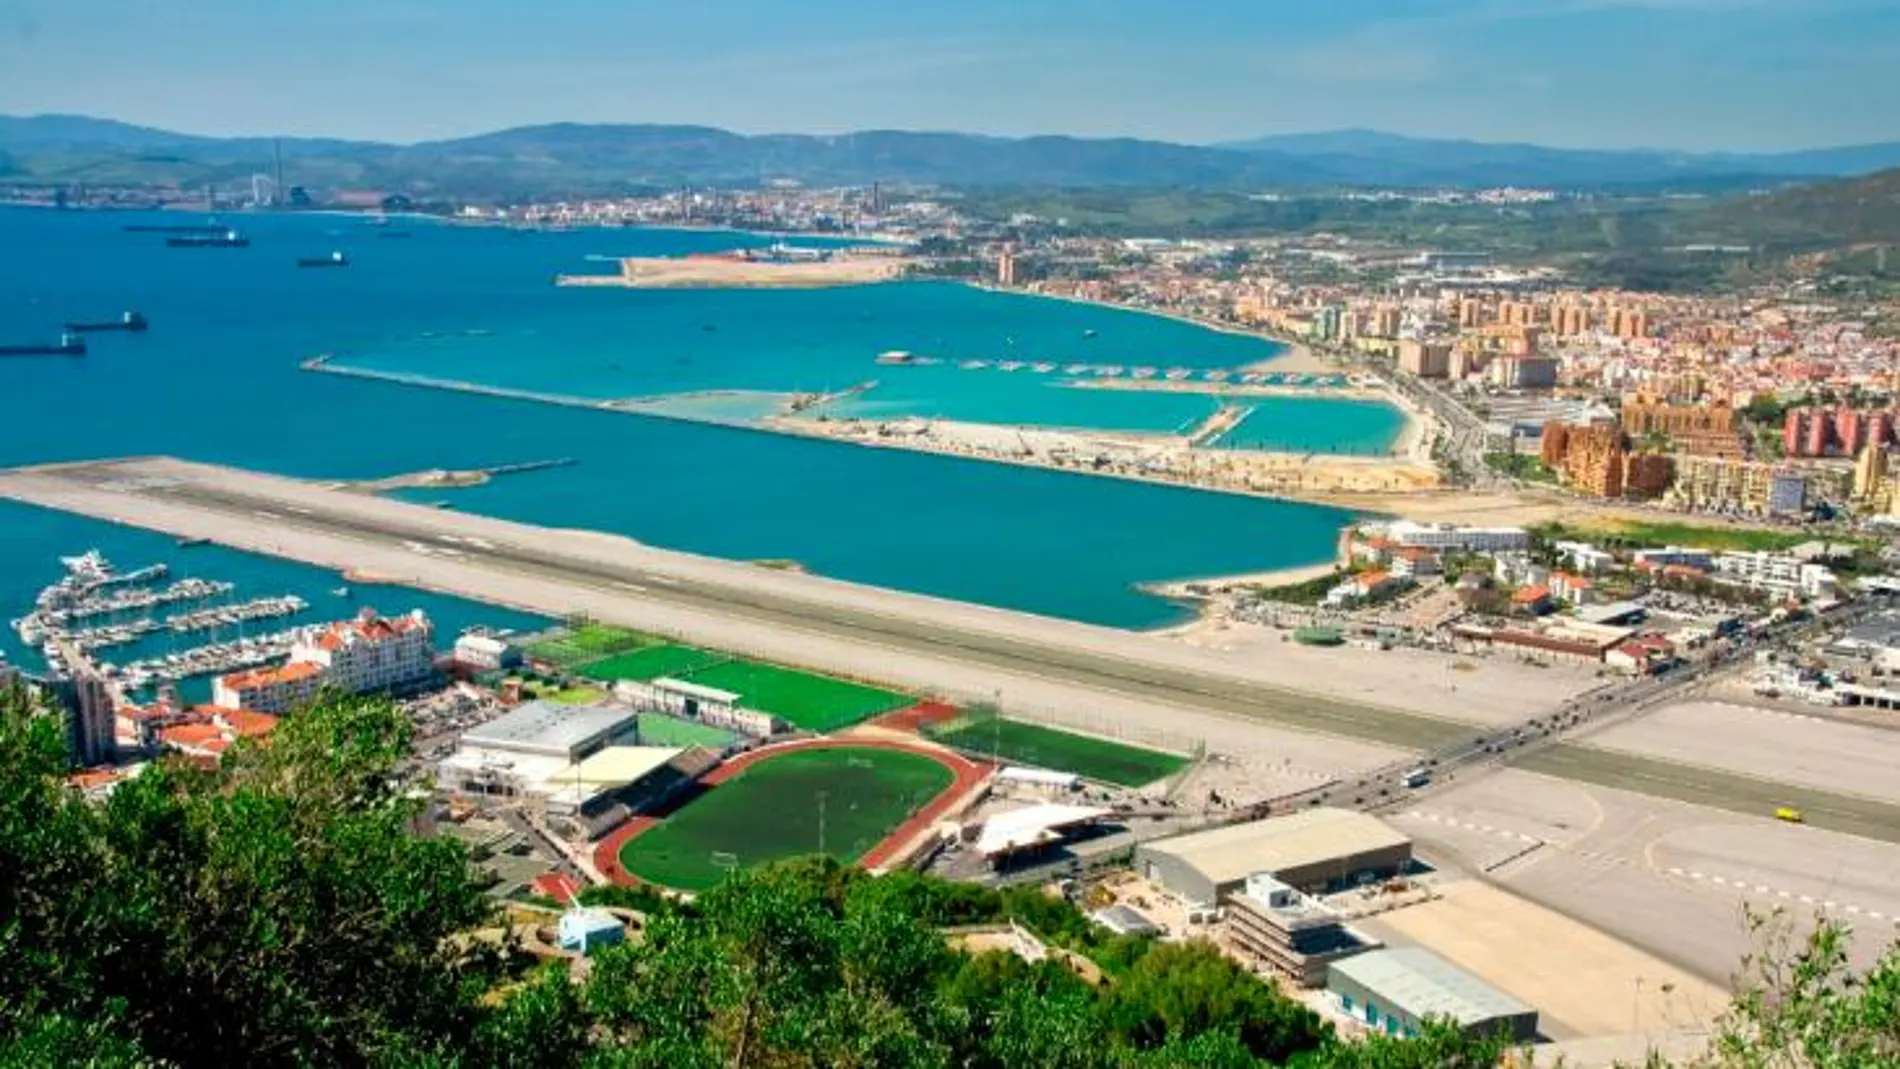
(969, 775)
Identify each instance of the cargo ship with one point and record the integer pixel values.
(335, 259)
(226, 239)
(130, 321)
(69, 344)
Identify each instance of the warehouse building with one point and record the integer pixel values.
(546, 729)
(1316, 850)
(1397, 990)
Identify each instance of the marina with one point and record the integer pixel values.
(94, 588)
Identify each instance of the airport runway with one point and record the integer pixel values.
(1855, 815)
(926, 643)
(331, 528)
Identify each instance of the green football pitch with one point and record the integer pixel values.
(771, 810)
(654, 662)
(586, 643)
(1060, 751)
(812, 702)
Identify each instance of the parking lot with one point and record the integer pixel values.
(1672, 878)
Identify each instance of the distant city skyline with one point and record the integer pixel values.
(1695, 75)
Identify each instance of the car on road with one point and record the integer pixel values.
(1790, 814)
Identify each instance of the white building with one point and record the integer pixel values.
(1448, 536)
(1586, 558)
(1777, 573)
(708, 705)
(358, 656)
(485, 653)
(268, 690)
(371, 652)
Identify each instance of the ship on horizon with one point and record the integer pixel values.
(130, 321)
(228, 239)
(69, 344)
(335, 259)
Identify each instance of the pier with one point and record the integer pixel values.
(132, 600)
(215, 659)
(228, 615)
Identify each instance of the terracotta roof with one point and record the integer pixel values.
(244, 723)
(264, 677)
(1530, 595)
(87, 779)
(192, 736)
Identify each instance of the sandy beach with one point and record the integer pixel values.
(709, 272)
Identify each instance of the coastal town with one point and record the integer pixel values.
(1605, 653)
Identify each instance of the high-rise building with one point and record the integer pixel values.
(1794, 432)
(1006, 268)
(1820, 432)
(1569, 320)
(1387, 322)
(91, 717)
(1647, 475)
(1427, 360)
(1850, 430)
(1554, 445)
(1471, 312)
(1870, 473)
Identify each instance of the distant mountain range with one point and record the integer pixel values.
(574, 159)
(1379, 158)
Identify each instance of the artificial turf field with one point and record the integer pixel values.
(812, 702)
(586, 643)
(770, 810)
(652, 663)
(815, 703)
(1060, 751)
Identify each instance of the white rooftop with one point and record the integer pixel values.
(547, 728)
(1426, 985)
(694, 690)
(1034, 826)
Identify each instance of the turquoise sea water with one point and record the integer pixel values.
(216, 380)
(612, 343)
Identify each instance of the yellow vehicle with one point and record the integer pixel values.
(1789, 814)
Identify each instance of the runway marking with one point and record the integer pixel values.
(1486, 829)
(1778, 892)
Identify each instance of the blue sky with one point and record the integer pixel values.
(1691, 74)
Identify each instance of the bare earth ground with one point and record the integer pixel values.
(1584, 983)
(1671, 878)
(1768, 744)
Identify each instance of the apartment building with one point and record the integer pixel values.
(359, 656)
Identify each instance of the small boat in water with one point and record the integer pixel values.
(341, 592)
(335, 259)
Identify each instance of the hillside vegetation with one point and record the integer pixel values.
(279, 912)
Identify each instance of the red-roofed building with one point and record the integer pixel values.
(211, 730)
(1534, 600)
(272, 690)
(366, 654)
